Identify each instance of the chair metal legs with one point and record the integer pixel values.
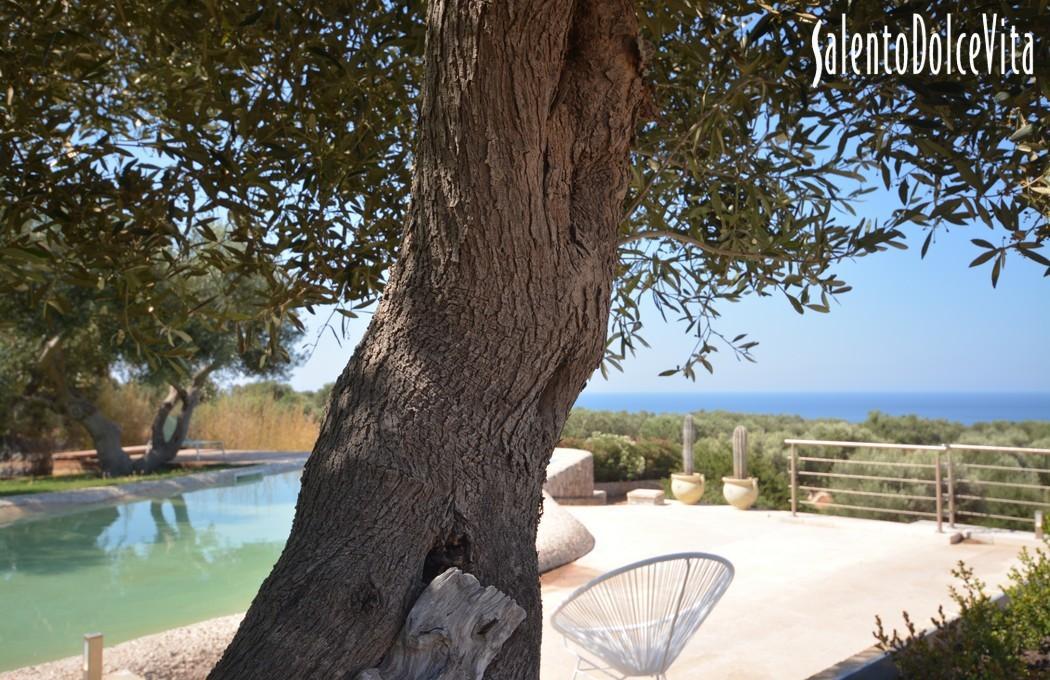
(584, 666)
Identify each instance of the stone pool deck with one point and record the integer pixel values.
(806, 591)
(60, 502)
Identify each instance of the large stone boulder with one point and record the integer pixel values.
(560, 537)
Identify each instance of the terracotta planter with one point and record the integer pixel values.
(740, 493)
(687, 488)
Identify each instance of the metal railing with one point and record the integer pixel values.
(944, 469)
(205, 444)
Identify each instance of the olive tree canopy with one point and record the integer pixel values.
(131, 131)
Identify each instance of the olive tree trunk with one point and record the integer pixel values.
(163, 449)
(105, 434)
(434, 449)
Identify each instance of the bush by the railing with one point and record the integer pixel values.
(973, 496)
(988, 640)
(910, 497)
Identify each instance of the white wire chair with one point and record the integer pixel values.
(637, 619)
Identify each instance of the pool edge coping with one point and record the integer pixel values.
(53, 503)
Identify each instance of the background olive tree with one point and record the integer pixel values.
(61, 362)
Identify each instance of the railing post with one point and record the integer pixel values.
(951, 486)
(92, 656)
(940, 491)
(1039, 524)
(794, 481)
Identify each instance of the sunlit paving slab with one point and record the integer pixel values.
(806, 591)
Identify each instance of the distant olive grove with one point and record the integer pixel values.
(767, 432)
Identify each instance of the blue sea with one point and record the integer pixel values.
(963, 407)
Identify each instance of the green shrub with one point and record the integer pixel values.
(986, 641)
(662, 457)
(616, 457)
(713, 458)
(1029, 597)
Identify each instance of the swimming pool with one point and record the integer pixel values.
(138, 568)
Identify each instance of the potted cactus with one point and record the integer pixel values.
(740, 490)
(687, 486)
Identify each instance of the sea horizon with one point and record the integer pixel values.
(853, 406)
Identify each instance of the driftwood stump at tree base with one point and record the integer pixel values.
(453, 632)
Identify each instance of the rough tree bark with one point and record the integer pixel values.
(434, 449)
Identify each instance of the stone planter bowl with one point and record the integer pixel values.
(740, 493)
(687, 488)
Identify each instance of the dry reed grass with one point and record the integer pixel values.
(254, 423)
(240, 420)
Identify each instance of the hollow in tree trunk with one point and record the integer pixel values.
(434, 449)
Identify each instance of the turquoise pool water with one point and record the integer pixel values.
(138, 568)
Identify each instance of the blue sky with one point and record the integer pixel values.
(908, 325)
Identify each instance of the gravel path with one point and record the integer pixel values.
(186, 653)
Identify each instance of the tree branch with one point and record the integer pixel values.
(51, 361)
(200, 376)
(175, 394)
(700, 245)
(722, 252)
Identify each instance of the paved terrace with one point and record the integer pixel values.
(806, 591)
